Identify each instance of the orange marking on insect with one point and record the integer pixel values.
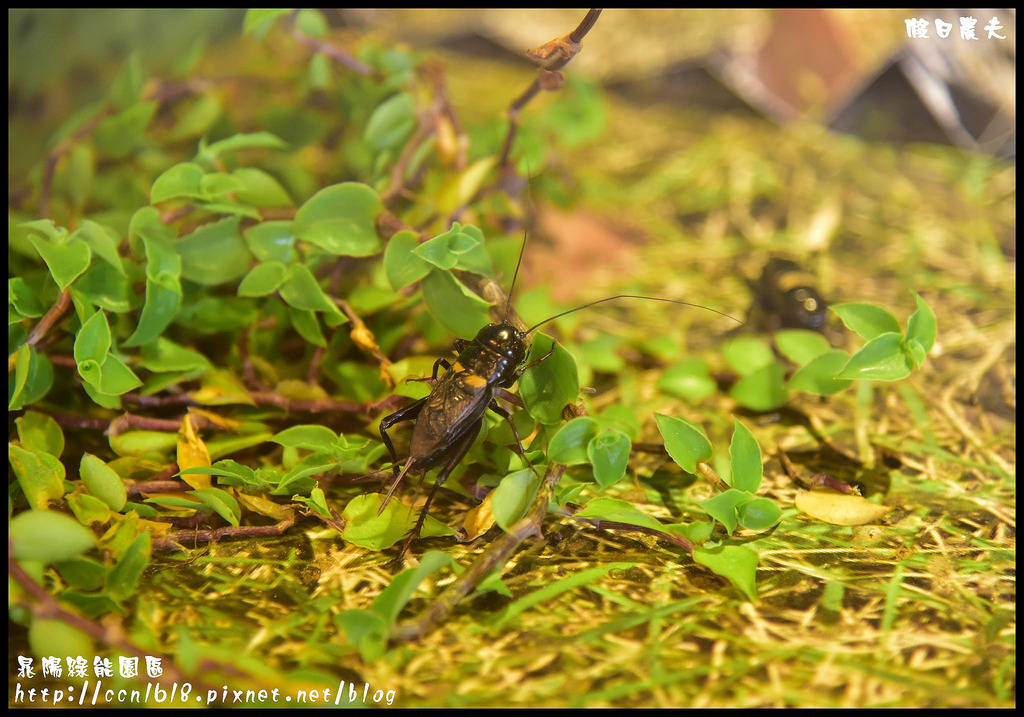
(474, 381)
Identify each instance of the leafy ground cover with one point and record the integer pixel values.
(221, 282)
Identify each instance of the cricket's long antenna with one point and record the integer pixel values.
(512, 286)
(626, 296)
(522, 251)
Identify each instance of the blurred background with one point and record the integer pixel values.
(854, 71)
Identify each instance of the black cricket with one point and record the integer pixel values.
(784, 298)
(448, 420)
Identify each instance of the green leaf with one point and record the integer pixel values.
(819, 376)
(394, 597)
(601, 353)
(461, 187)
(436, 251)
(103, 482)
(880, 359)
(66, 261)
(391, 122)
(93, 340)
(690, 379)
(39, 432)
(40, 475)
(217, 187)
(513, 497)
(118, 135)
(569, 444)
(55, 234)
(127, 86)
(102, 370)
(618, 511)
(272, 241)
(162, 302)
(48, 537)
(214, 253)
(299, 127)
(758, 514)
(78, 180)
(302, 291)
(724, 507)
(228, 468)
(685, 442)
(259, 188)
(165, 356)
(456, 307)
(106, 288)
(181, 180)
(24, 359)
(82, 573)
(316, 501)
(310, 437)
(745, 455)
(737, 564)
(460, 248)
(866, 320)
(801, 346)
(115, 377)
(579, 116)
(124, 576)
(307, 326)
(401, 264)
(163, 285)
(33, 377)
(747, 354)
(220, 501)
(319, 72)
(341, 219)
(139, 443)
(102, 241)
(263, 279)
(174, 501)
(88, 510)
(366, 630)
(921, 326)
(209, 154)
(609, 454)
(762, 390)
(551, 385)
(198, 118)
(369, 527)
(259, 21)
(311, 22)
(58, 639)
(23, 299)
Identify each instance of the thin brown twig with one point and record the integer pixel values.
(430, 120)
(268, 398)
(332, 51)
(496, 554)
(366, 341)
(39, 331)
(62, 148)
(174, 541)
(552, 55)
(45, 607)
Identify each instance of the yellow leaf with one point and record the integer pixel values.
(479, 519)
(263, 506)
(839, 509)
(193, 453)
(227, 424)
